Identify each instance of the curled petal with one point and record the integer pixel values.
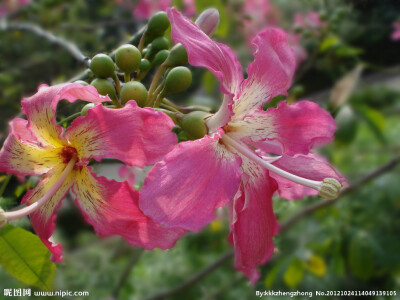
(43, 219)
(184, 189)
(112, 208)
(204, 52)
(40, 109)
(216, 57)
(296, 128)
(271, 72)
(254, 223)
(134, 135)
(21, 155)
(309, 166)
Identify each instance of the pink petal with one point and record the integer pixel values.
(44, 218)
(193, 180)
(21, 155)
(204, 52)
(127, 173)
(112, 208)
(296, 128)
(309, 166)
(134, 135)
(271, 72)
(216, 57)
(40, 109)
(254, 223)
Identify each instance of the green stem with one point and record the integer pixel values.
(166, 106)
(69, 118)
(159, 98)
(4, 185)
(117, 83)
(127, 77)
(154, 82)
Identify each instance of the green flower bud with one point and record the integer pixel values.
(157, 25)
(145, 51)
(178, 80)
(85, 109)
(128, 58)
(160, 43)
(102, 66)
(177, 57)
(82, 82)
(161, 57)
(144, 65)
(193, 125)
(104, 87)
(134, 90)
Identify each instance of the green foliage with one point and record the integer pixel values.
(25, 257)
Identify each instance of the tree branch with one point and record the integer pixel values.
(310, 209)
(125, 274)
(40, 32)
(194, 279)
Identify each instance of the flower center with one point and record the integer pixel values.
(67, 153)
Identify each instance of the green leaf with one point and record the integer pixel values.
(25, 257)
(294, 273)
(329, 42)
(224, 18)
(361, 256)
(375, 121)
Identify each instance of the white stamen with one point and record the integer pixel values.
(243, 149)
(13, 215)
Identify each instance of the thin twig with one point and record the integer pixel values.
(70, 47)
(310, 209)
(125, 274)
(194, 279)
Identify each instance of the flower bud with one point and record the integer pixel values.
(160, 43)
(157, 25)
(144, 65)
(178, 80)
(3, 218)
(330, 188)
(193, 125)
(160, 57)
(177, 57)
(127, 58)
(104, 87)
(85, 109)
(134, 90)
(102, 66)
(82, 82)
(208, 21)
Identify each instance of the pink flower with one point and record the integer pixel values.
(196, 177)
(258, 15)
(396, 31)
(38, 146)
(310, 21)
(9, 6)
(146, 8)
(300, 54)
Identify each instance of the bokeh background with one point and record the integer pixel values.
(348, 57)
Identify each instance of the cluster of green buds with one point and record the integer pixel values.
(171, 75)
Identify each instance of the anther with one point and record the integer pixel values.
(330, 188)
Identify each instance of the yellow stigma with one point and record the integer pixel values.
(3, 218)
(330, 189)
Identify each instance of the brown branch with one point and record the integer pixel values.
(40, 32)
(125, 274)
(194, 279)
(310, 209)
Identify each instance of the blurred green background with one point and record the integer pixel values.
(352, 69)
